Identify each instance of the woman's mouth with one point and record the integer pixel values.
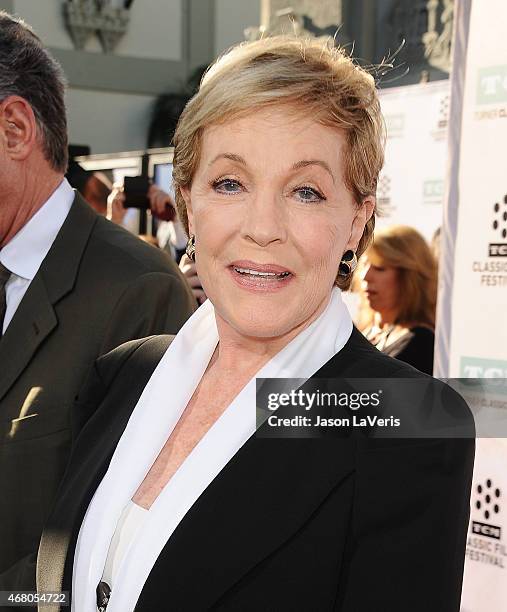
(267, 275)
(260, 277)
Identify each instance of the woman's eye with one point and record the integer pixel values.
(309, 194)
(227, 186)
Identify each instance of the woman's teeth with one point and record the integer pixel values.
(263, 274)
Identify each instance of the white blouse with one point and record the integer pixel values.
(129, 524)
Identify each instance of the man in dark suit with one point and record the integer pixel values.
(72, 287)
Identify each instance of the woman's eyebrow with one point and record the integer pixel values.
(232, 156)
(297, 166)
(313, 162)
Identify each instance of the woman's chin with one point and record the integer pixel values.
(262, 327)
(259, 323)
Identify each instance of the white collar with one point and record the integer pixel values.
(179, 372)
(24, 254)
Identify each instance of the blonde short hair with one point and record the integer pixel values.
(402, 247)
(316, 78)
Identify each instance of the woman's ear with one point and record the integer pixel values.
(17, 122)
(363, 215)
(185, 194)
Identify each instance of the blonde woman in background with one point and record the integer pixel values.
(399, 281)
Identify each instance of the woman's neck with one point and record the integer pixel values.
(385, 319)
(237, 354)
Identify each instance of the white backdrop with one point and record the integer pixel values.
(471, 328)
(411, 185)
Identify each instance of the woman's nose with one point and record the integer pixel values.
(265, 220)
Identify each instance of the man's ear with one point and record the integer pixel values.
(18, 127)
(363, 215)
(185, 194)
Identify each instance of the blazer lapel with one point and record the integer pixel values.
(35, 317)
(34, 321)
(266, 493)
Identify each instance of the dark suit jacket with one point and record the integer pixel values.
(98, 287)
(349, 524)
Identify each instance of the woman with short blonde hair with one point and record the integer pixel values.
(303, 75)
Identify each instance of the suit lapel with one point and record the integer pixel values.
(260, 499)
(35, 317)
(60, 268)
(34, 321)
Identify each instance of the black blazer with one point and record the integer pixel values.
(98, 287)
(351, 525)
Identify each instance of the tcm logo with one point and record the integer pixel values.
(386, 207)
(489, 531)
(499, 225)
(475, 367)
(487, 505)
(443, 112)
(492, 85)
(497, 250)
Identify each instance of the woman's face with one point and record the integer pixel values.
(271, 218)
(381, 286)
